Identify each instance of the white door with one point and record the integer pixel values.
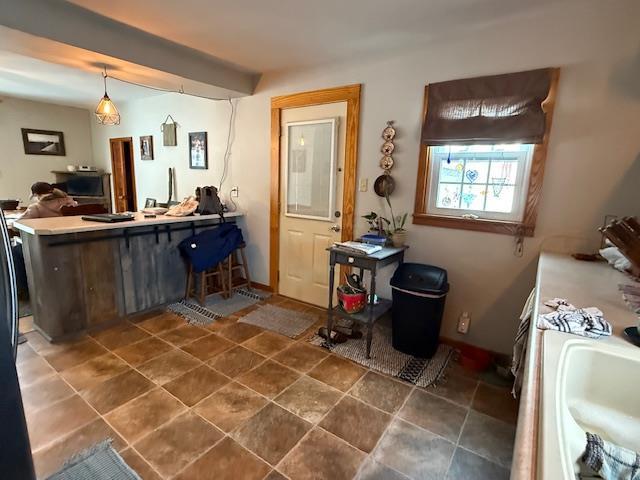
(312, 162)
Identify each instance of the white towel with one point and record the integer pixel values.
(520, 343)
(587, 322)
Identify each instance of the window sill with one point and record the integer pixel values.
(478, 225)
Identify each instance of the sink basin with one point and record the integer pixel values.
(588, 385)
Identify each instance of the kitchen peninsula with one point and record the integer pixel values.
(84, 275)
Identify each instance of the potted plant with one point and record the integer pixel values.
(396, 230)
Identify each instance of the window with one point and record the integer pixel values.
(484, 146)
(485, 181)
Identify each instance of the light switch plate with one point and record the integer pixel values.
(364, 185)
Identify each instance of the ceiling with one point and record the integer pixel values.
(261, 36)
(26, 77)
(267, 35)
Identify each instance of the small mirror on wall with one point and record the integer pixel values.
(43, 142)
(146, 147)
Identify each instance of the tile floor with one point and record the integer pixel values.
(232, 401)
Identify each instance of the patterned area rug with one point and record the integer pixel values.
(100, 462)
(384, 358)
(280, 320)
(217, 307)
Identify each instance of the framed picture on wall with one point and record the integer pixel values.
(43, 142)
(146, 147)
(198, 157)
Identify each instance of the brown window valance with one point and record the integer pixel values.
(494, 109)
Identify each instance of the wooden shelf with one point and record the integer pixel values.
(379, 309)
(79, 172)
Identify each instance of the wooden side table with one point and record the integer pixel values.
(373, 311)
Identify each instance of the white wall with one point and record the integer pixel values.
(144, 117)
(593, 165)
(19, 171)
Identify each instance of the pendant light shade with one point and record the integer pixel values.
(106, 111)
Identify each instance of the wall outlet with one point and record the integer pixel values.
(364, 184)
(463, 322)
(235, 192)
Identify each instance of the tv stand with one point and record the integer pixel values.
(105, 200)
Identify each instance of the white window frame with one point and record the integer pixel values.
(333, 180)
(519, 201)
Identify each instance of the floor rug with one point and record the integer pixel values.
(384, 358)
(100, 462)
(280, 320)
(216, 306)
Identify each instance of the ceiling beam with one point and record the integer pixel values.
(70, 24)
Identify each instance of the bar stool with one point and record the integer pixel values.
(207, 284)
(232, 264)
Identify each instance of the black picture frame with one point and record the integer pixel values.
(146, 147)
(150, 203)
(198, 151)
(43, 142)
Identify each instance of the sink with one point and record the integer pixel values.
(587, 385)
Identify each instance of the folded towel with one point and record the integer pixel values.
(520, 343)
(610, 461)
(587, 322)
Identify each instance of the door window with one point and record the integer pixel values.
(311, 169)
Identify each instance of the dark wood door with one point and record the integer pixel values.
(124, 184)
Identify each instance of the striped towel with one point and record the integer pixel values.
(610, 461)
(520, 343)
(587, 322)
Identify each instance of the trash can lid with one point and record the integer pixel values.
(420, 278)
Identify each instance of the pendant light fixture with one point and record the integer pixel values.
(106, 111)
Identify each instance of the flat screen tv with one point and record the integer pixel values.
(86, 186)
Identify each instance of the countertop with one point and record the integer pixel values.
(75, 224)
(584, 284)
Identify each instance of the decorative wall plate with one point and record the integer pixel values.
(387, 148)
(386, 162)
(389, 133)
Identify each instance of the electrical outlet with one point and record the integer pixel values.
(463, 322)
(235, 192)
(364, 185)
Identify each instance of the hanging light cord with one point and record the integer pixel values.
(104, 79)
(160, 89)
(227, 152)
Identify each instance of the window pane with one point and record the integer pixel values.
(448, 196)
(473, 197)
(476, 171)
(309, 170)
(500, 199)
(486, 180)
(451, 171)
(503, 172)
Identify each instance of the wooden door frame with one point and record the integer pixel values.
(133, 168)
(349, 94)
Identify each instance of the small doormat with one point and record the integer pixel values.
(216, 306)
(384, 358)
(280, 320)
(100, 462)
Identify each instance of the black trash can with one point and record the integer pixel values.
(419, 292)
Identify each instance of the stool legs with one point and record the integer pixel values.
(245, 265)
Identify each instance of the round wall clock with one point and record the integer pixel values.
(387, 148)
(386, 162)
(388, 133)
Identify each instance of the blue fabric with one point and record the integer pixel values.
(205, 250)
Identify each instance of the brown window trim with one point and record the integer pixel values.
(527, 226)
